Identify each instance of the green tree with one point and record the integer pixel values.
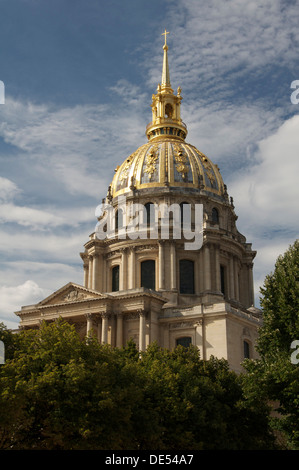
(280, 304)
(275, 377)
(9, 340)
(58, 392)
(200, 404)
(68, 394)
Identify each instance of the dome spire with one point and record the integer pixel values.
(166, 107)
(165, 70)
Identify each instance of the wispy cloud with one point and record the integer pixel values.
(217, 41)
(75, 146)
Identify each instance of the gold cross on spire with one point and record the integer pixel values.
(164, 34)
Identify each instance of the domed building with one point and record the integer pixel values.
(181, 273)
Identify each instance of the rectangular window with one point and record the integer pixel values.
(186, 276)
(246, 350)
(148, 277)
(222, 280)
(115, 278)
(185, 341)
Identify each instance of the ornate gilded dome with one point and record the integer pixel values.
(166, 160)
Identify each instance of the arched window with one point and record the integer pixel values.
(118, 219)
(215, 216)
(185, 341)
(149, 213)
(115, 278)
(186, 276)
(168, 110)
(148, 274)
(246, 348)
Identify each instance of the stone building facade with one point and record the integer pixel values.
(148, 286)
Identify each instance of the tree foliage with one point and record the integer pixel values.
(58, 392)
(280, 304)
(275, 377)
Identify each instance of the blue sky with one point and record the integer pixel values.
(79, 75)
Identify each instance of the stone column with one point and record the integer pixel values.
(100, 273)
(207, 268)
(236, 274)
(198, 336)
(132, 273)
(105, 317)
(119, 331)
(104, 274)
(161, 265)
(95, 272)
(90, 271)
(201, 271)
(142, 331)
(217, 269)
(172, 267)
(231, 278)
(85, 279)
(203, 335)
(123, 269)
(250, 285)
(89, 324)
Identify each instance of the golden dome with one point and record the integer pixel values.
(166, 160)
(167, 163)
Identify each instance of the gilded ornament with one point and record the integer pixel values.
(181, 161)
(126, 168)
(208, 168)
(151, 161)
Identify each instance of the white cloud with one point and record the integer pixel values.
(41, 279)
(49, 275)
(266, 198)
(267, 195)
(12, 297)
(39, 219)
(26, 216)
(8, 189)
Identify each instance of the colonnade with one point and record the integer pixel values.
(99, 324)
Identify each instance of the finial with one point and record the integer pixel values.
(165, 71)
(164, 34)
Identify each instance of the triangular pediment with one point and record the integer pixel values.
(70, 293)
